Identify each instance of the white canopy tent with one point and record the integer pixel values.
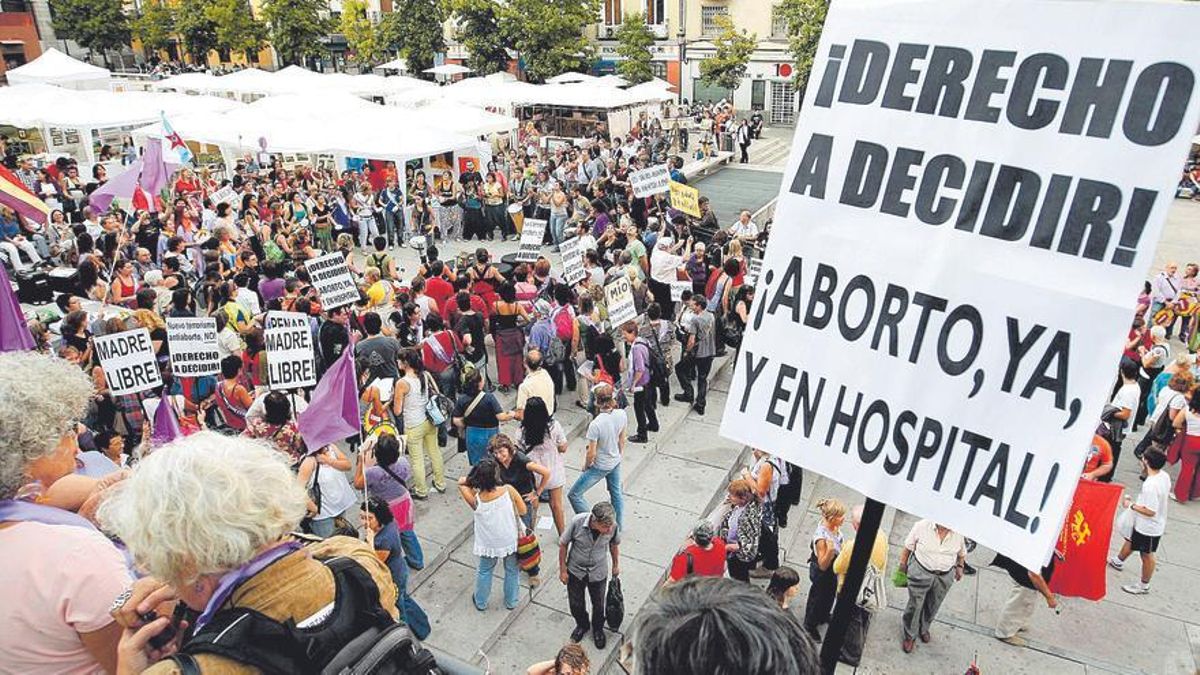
(306, 124)
(448, 69)
(400, 65)
(463, 119)
(55, 67)
(568, 78)
(73, 121)
(252, 83)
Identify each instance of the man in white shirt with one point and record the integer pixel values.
(744, 229)
(938, 553)
(1164, 289)
(1149, 521)
(537, 382)
(1127, 399)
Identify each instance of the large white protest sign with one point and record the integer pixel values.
(128, 361)
(289, 351)
(651, 181)
(332, 278)
(572, 261)
(193, 343)
(963, 227)
(530, 246)
(618, 294)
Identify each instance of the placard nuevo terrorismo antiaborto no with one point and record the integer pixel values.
(964, 225)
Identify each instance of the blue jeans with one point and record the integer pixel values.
(590, 477)
(413, 555)
(483, 581)
(557, 224)
(477, 442)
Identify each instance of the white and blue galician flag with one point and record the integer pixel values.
(174, 142)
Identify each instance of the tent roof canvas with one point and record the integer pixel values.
(55, 67)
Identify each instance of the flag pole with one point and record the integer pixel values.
(864, 544)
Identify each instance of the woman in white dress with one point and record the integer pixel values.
(496, 508)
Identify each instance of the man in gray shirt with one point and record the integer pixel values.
(698, 352)
(583, 552)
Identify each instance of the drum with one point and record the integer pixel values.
(505, 270)
(418, 242)
(517, 215)
(509, 259)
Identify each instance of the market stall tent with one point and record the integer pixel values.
(55, 67)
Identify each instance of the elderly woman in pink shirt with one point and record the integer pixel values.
(60, 574)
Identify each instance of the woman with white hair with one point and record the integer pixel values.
(1154, 360)
(59, 573)
(210, 519)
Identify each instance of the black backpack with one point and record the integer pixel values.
(358, 637)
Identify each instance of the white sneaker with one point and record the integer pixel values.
(1116, 563)
(1136, 588)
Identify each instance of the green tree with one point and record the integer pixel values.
(236, 29)
(727, 66)
(198, 31)
(415, 31)
(634, 40)
(99, 25)
(548, 34)
(477, 27)
(155, 26)
(361, 35)
(805, 20)
(296, 28)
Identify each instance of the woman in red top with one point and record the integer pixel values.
(124, 285)
(186, 185)
(702, 556)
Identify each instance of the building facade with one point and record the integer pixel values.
(20, 42)
(767, 85)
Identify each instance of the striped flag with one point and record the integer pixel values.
(17, 197)
(175, 141)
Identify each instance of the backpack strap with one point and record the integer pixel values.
(282, 648)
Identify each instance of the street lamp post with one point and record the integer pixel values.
(679, 34)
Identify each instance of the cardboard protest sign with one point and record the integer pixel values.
(128, 361)
(753, 269)
(685, 198)
(678, 287)
(963, 226)
(572, 261)
(530, 246)
(225, 195)
(289, 344)
(333, 280)
(618, 294)
(651, 181)
(193, 343)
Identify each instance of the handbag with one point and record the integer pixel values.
(872, 594)
(614, 604)
(529, 553)
(437, 406)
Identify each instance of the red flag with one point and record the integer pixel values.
(1083, 543)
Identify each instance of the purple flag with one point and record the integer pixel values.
(155, 172)
(332, 413)
(14, 329)
(121, 185)
(166, 424)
